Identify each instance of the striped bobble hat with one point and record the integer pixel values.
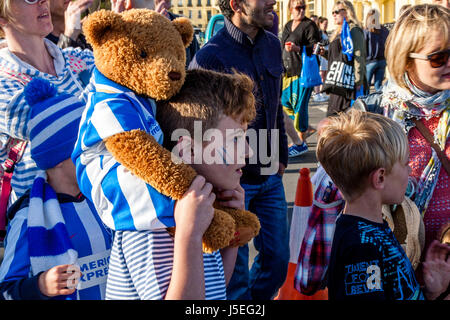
(53, 122)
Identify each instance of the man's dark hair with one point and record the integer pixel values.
(225, 8)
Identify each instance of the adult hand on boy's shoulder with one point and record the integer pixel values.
(436, 269)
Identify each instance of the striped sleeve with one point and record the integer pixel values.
(15, 280)
(110, 117)
(13, 109)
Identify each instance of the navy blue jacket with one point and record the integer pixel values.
(375, 44)
(231, 49)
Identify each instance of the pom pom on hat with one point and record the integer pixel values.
(38, 90)
(53, 123)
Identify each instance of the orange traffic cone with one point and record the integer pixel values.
(302, 206)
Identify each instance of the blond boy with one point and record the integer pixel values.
(366, 155)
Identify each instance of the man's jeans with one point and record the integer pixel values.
(376, 69)
(269, 269)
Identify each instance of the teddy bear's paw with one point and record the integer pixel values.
(243, 219)
(219, 233)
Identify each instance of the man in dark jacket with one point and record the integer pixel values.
(245, 46)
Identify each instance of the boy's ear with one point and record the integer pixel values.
(377, 178)
(185, 149)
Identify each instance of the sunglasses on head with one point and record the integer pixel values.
(436, 59)
(298, 8)
(337, 11)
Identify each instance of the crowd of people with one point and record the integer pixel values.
(398, 142)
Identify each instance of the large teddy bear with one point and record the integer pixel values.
(145, 52)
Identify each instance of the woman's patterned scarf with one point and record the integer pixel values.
(402, 106)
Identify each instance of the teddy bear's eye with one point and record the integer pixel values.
(143, 54)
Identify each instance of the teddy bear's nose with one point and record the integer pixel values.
(174, 76)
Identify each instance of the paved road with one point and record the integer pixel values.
(317, 111)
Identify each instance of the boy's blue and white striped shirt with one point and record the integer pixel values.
(124, 201)
(87, 234)
(141, 266)
(14, 111)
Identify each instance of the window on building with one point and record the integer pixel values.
(190, 14)
(180, 3)
(208, 14)
(208, 2)
(310, 8)
(189, 3)
(199, 3)
(199, 14)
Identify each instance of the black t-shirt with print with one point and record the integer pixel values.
(368, 263)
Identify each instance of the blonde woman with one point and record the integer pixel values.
(341, 94)
(375, 35)
(25, 24)
(418, 92)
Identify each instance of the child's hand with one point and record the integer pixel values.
(194, 212)
(436, 269)
(59, 280)
(232, 198)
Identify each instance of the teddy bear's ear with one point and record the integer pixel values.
(184, 27)
(99, 24)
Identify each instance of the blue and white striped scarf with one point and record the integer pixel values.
(49, 241)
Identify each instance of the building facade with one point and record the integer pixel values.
(389, 9)
(198, 11)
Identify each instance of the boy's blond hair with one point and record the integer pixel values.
(410, 34)
(206, 96)
(354, 144)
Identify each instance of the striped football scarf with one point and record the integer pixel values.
(49, 242)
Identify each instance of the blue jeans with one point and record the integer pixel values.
(269, 269)
(376, 69)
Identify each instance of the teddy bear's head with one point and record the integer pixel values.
(140, 49)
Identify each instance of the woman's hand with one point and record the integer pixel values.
(121, 5)
(290, 46)
(72, 28)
